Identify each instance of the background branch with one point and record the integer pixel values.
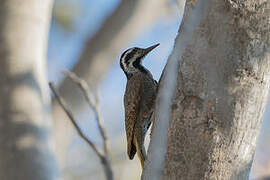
(104, 157)
(92, 102)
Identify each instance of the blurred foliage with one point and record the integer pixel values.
(65, 13)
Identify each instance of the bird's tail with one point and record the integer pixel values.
(140, 151)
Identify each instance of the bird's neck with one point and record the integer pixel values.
(138, 69)
(142, 69)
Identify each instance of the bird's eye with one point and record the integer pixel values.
(129, 56)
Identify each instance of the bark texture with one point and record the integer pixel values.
(25, 144)
(222, 89)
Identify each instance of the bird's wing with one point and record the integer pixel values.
(147, 105)
(132, 103)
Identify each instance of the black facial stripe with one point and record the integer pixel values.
(122, 67)
(121, 63)
(129, 56)
(138, 65)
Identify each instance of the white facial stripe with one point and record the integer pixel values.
(133, 59)
(123, 58)
(129, 51)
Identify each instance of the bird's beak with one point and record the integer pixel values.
(147, 50)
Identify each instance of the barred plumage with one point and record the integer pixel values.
(139, 100)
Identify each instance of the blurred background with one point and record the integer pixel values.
(88, 37)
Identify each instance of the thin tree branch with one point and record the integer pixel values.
(103, 156)
(71, 117)
(93, 105)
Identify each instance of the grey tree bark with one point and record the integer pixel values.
(26, 148)
(222, 87)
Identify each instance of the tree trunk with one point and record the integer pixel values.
(26, 146)
(222, 89)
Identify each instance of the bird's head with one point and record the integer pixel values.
(131, 59)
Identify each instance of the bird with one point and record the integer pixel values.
(139, 100)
